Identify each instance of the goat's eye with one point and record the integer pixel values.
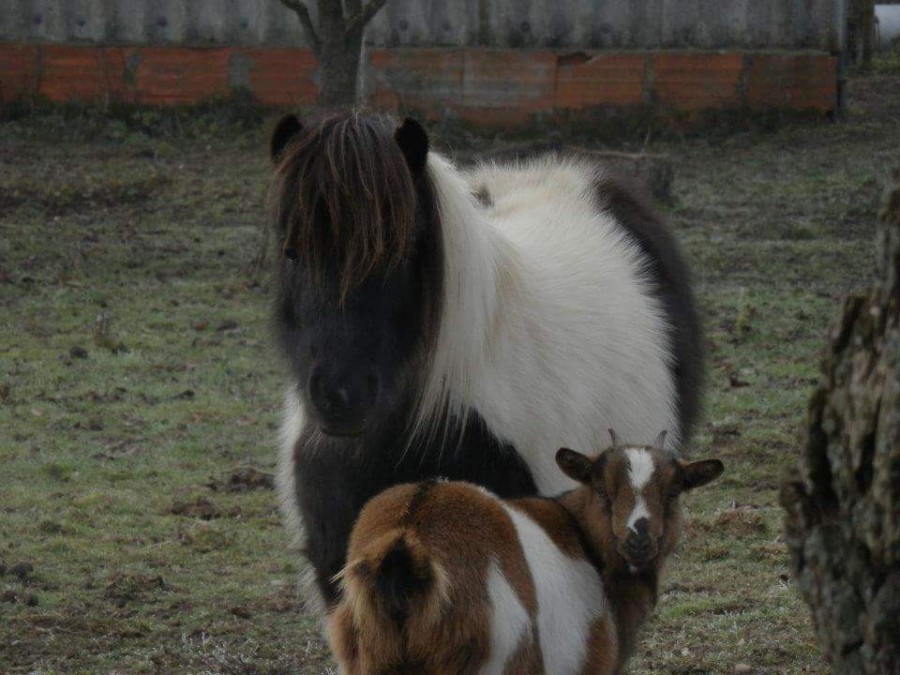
(601, 493)
(290, 253)
(672, 494)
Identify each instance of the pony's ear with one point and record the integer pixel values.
(575, 465)
(701, 472)
(413, 142)
(287, 127)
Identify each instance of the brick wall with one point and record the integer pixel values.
(483, 86)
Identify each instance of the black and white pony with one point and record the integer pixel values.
(461, 323)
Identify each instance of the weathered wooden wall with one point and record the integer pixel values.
(489, 62)
(586, 24)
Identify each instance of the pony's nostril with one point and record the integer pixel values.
(341, 396)
(334, 399)
(324, 394)
(337, 395)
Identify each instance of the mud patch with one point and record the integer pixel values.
(243, 479)
(126, 587)
(742, 521)
(13, 597)
(23, 570)
(201, 508)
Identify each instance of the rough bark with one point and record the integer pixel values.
(336, 38)
(843, 504)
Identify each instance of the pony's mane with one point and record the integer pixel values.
(472, 266)
(345, 198)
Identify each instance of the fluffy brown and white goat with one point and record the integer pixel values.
(445, 578)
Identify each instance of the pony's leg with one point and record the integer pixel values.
(330, 492)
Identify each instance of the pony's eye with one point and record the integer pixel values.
(290, 253)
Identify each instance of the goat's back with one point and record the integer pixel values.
(421, 584)
(445, 578)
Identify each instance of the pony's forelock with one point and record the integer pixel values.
(346, 199)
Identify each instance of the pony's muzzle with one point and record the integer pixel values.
(342, 400)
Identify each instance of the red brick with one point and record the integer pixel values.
(84, 74)
(180, 75)
(283, 77)
(797, 81)
(488, 87)
(524, 80)
(600, 80)
(697, 81)
(18, 71)
(426, 80)
(121, 66)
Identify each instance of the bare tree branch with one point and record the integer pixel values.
(364, 15)
(302, 12)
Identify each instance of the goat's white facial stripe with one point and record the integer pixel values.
(639, 511)
(508, 622)
(640, 467)
(640, 470)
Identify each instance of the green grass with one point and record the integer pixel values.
(136, 368)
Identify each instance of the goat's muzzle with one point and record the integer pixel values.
(639, 548)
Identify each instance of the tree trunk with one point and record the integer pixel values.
(843, 504)
(338, 53)
(339, 69)
(336, 38)
(861, 31)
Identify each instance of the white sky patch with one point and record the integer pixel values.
(640, 470)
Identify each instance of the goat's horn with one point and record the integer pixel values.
(660, 440)
(615, 440)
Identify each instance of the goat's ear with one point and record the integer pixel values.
(701, 472)
(660, 442)
(575, 465)
(413, 142)
(287, 127)
(613, 438)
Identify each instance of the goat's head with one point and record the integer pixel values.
(631, 507)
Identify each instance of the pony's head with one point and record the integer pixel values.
(360, 265)
(631, 510)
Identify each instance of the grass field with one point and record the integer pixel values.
(139, 390)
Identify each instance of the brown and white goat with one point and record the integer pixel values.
(444, 578)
